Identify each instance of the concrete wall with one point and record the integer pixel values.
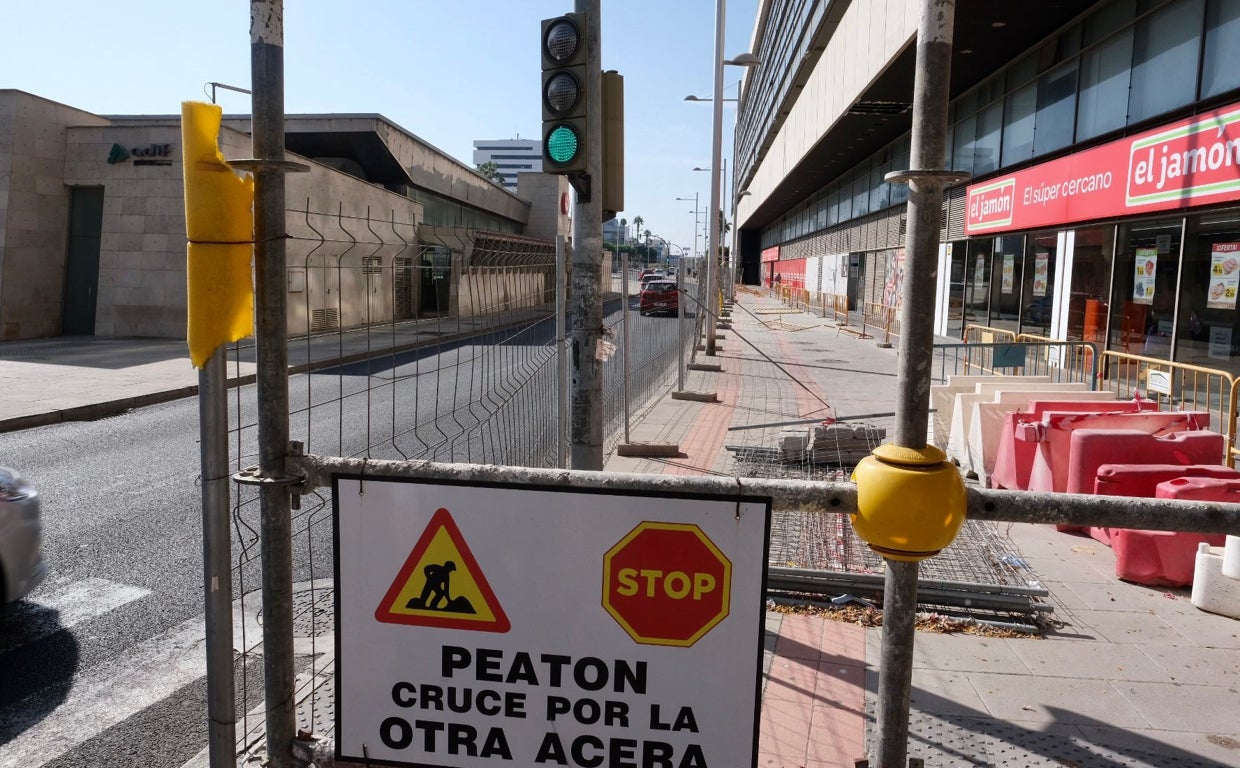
(544, 191)
(345, 239)
(34, 212)
(869, 36)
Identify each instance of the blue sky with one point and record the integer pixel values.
(449, 71)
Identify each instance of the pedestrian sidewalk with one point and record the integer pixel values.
(1126, 676)
(78, 378)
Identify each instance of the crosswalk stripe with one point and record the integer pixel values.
(66, 606)
(108, 694)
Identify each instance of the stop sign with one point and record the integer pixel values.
(666, 583)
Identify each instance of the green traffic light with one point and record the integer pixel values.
(562, 144)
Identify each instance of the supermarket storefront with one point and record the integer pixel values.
(1131, 244)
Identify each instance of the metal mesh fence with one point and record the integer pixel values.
(398, 349)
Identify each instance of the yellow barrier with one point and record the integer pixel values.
(1178, 386)
(981, 334)
(1082, 356)
(882, 316)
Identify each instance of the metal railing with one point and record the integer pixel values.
(1062, 361)
(1176, 386)
(981, 334)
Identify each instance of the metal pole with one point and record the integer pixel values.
(267, 73)
(587, 305)
(716, 154)
(624, 328)
(217, 561)
(681, 307)
(561, 348)
(926, 178)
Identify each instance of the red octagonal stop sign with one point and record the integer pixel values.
(666, 583)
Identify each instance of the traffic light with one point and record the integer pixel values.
(565, 94)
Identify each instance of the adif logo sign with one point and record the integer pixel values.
(117, 155)
(154, 154)
(991, 205)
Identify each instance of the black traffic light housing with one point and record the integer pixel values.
(565, 94)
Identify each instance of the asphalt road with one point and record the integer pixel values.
(104, 664)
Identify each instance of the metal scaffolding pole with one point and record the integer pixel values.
(267, 74)
(217, 561)
(926, 179)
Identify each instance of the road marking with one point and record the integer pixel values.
(111, 692)
(66, 606)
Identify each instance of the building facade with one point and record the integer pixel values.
(511, 157)
(1103, 144)
(383, 227)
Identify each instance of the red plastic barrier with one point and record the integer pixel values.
(1014, 461)
(1056, 460)
(1142, 480)
(1168, 558)
(1091, 448)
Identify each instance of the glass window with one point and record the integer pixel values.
(1056, 106)
(861, 191)
(880, 191)
(975, 284)
(1107, 19)
(1207, 333)
(1165, 49)
(844, 210)
(962, 150)
(1004, 282)
(1034, 286)
(1022, 72)
(1220, 68)
(1104, 87)
(1090, 287)
(1018, 125)
(899, 192)
(1144, 288)
(989, 139)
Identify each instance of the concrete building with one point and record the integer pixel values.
(1102, 141)
(511, 157)
(383, 227)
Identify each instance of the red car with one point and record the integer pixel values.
(659, 297)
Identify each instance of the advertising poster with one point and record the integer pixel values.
(1041, 268)
(1009, 272)
(1224, 276)
(894, 287)
(1143, 275)
(979, 270)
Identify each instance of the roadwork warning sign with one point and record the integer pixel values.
(515, 625)
(441, 585)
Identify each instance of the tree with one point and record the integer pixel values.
(491, 171)
(638, 221)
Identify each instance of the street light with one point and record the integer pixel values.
(713, 246)
(695, 220)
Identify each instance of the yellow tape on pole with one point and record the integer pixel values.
(219, 223)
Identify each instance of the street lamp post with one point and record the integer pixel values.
(714, 251)
(695, 220)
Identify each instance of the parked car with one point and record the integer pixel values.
(659, 297)
(650, 276)
(22, 567)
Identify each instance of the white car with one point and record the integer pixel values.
(22, 567)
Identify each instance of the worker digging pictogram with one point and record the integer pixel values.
(442, 585)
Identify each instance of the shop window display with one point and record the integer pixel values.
(1207, 333)
(1088, 304)
(1034, 287)
(1144, 288)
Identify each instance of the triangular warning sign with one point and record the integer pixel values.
(441, 585)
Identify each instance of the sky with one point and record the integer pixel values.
(448, 71)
